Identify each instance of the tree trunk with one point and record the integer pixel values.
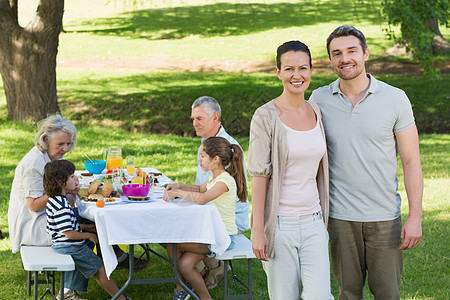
(28, 59)
(440, 44)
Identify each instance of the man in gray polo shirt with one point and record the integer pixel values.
(365, 121)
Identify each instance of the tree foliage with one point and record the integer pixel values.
(416, 18)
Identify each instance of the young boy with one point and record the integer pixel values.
(62, 225)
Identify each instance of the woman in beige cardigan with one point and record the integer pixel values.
(288, 161)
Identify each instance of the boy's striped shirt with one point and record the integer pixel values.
(60, 218)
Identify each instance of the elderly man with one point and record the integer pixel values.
(206, 120)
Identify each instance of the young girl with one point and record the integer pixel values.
(66, 233)
(221, 189)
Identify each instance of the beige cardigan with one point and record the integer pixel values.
(267, 157)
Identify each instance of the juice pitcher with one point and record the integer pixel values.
(113, 157)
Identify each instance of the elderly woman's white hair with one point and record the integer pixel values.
(48, 126)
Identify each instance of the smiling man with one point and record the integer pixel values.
(366, 123)
(205, 117)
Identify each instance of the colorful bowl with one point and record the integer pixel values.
(96, 166)
(136, 190)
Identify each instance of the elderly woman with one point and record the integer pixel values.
(26, 214)
(27, 218)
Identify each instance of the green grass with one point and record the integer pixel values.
(159, 102)
(127, 107)
(236, 30)
(426, 266)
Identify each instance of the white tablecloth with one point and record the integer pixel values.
(157, 221)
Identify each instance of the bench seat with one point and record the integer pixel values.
(44, 259)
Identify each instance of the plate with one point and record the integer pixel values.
(145, 198)
(116, 200)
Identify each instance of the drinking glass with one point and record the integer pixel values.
(130, 165)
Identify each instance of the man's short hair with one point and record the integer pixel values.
(209, 103)
(347, 30)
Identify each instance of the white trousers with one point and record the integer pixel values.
(300, 258)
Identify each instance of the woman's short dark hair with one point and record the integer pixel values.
(56, 174)
(292, 46)
(347, 30)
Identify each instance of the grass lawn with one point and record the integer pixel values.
(212, 29)
(147, 113)
(151, 101)
(426, 266)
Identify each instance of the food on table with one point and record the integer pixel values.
(155, 174)
(137, 179)
(100, 203)
(112, 171)
(138, 198)
(94, 186)
(98, 197)
(87, 178)
(94, 197)
(107, 188)
(138, 171)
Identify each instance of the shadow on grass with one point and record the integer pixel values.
(161, 102)
(227, 19)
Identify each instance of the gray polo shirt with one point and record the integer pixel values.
(362, 150)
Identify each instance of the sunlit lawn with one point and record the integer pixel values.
(122, 107)
(236, 30)
(175, 156)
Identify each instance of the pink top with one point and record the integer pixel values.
(299, 194)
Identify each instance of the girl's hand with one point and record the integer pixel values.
(260, 245)
(172, 186)
(169, 194)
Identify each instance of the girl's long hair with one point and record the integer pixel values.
(232, 159)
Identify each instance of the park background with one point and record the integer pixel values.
(128, 72)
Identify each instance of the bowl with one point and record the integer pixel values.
(87, 178)
(96, 166)
(136, 190)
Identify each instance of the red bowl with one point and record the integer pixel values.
(136, 190)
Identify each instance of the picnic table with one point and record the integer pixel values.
(154, 221)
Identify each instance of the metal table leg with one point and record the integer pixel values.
(175, 278)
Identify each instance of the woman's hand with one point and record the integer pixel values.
(260, 245)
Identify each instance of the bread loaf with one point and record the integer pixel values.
(107, 188)
(94, 186)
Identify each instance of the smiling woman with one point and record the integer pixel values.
(286, 135)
